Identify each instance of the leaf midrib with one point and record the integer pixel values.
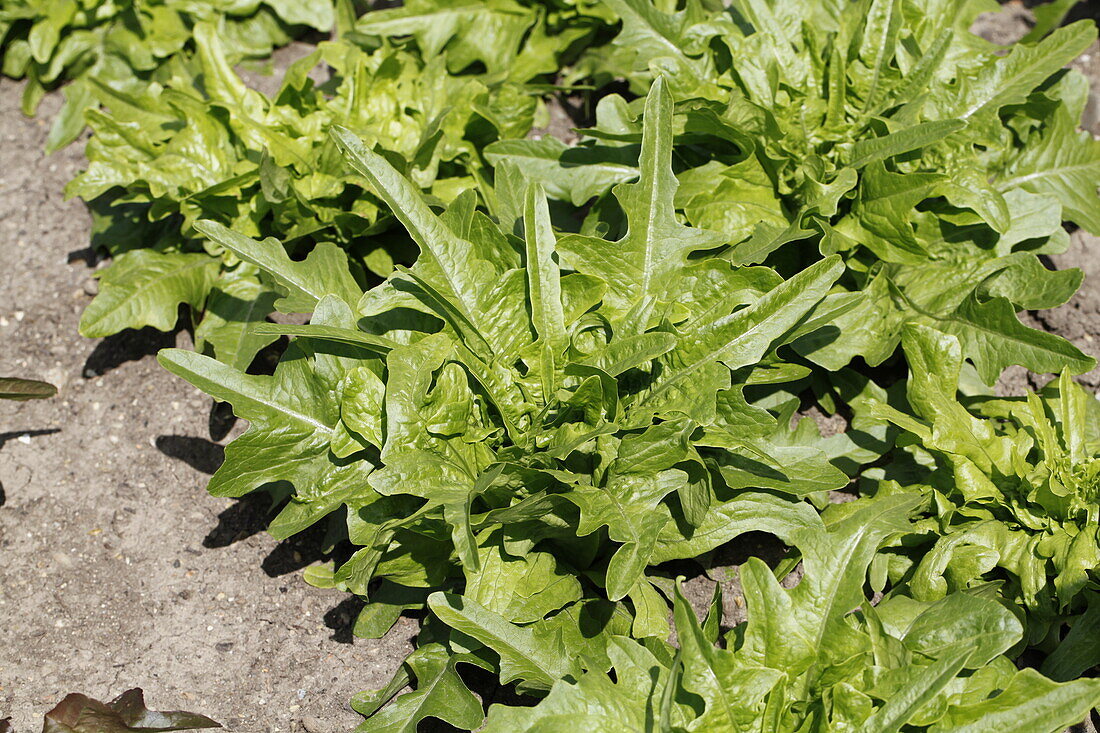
(435, 15)
(251, 395)
(1046, 173)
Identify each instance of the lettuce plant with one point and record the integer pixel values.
(937, 166)
(802, 660)
(510, 39)
(538, 420)
(266, 166)
(97, 42)
(1012, 494)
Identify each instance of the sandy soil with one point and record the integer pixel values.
(118, 570)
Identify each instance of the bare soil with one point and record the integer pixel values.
(117, 569)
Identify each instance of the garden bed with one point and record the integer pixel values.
(119, 570)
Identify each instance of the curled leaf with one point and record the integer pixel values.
(14, 388)
(125, 714)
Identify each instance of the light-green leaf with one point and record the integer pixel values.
(913, 138)
(524, 655)
(644, 264)
(323, 272)
(440, 693)
(145, 288)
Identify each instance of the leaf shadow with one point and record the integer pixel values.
(341, 619)
(248, 516)
(308, 547)
(5, 437)
(722, 566)
(1081, 11)
(737, 551)
(198, 453)
(251, 514)
(130, 345)
(87, 255)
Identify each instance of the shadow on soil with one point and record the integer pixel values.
(5, 437)
(114, 351)
(341, 619)
(297, 552)
(251, 513)
(249, 516)
(198, 453)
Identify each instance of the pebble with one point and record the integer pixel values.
(312, 724)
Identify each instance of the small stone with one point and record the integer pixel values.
(223, 646)
(312, 724)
